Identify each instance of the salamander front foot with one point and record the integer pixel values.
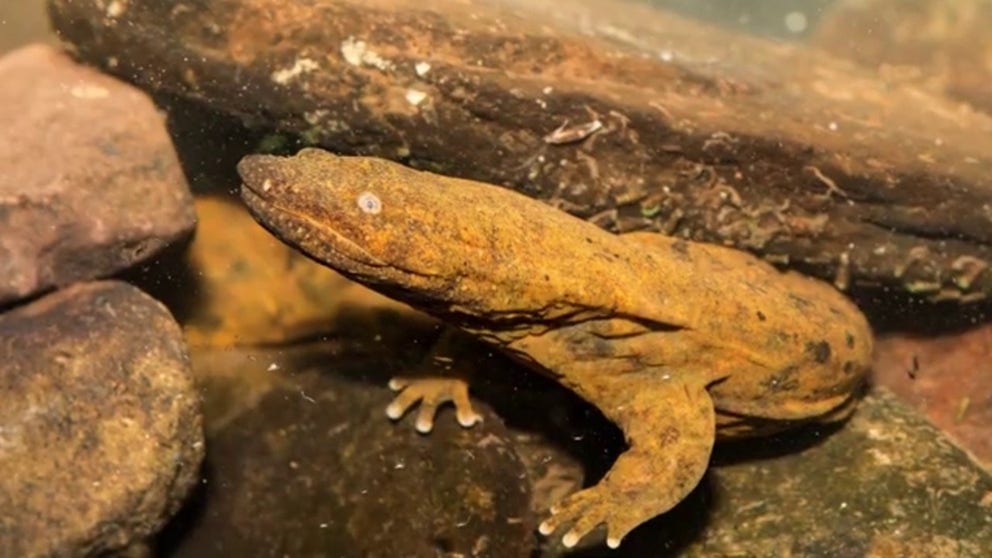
(630, 495)
(431, 393)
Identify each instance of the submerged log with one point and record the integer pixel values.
(618, 113)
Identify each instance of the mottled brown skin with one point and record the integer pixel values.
(674, 341)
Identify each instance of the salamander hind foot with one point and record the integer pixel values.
(431, 393)
(671, 437)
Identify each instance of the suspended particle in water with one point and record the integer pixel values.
(914, 367)
(369, 203)
(796, 22)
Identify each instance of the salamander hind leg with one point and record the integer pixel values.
(670, 430)
(440, 382)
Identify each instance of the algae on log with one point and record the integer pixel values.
(618, 113)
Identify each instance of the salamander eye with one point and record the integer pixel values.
(369, 203)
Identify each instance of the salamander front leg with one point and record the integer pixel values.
(440, 384)
(431, 393)
(670, 429)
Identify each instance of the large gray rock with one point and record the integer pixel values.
(89, 181)
(100, 427)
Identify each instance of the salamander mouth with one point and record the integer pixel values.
(264, 210)
(257, 172)
(255, 189)
(315, 239)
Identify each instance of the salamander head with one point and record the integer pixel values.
(362, 217)
(462, 250)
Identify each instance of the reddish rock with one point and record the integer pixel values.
(89, 181)
(100, 427)
(948, 377)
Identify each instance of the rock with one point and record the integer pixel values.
(304, 462)
(89, 181)
(628, 116)
(886, 484)
(299, 445)
(251, 289)
(942, 46)
(948, 377)
(100, 427)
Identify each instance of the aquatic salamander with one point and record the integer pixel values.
(676, 342)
